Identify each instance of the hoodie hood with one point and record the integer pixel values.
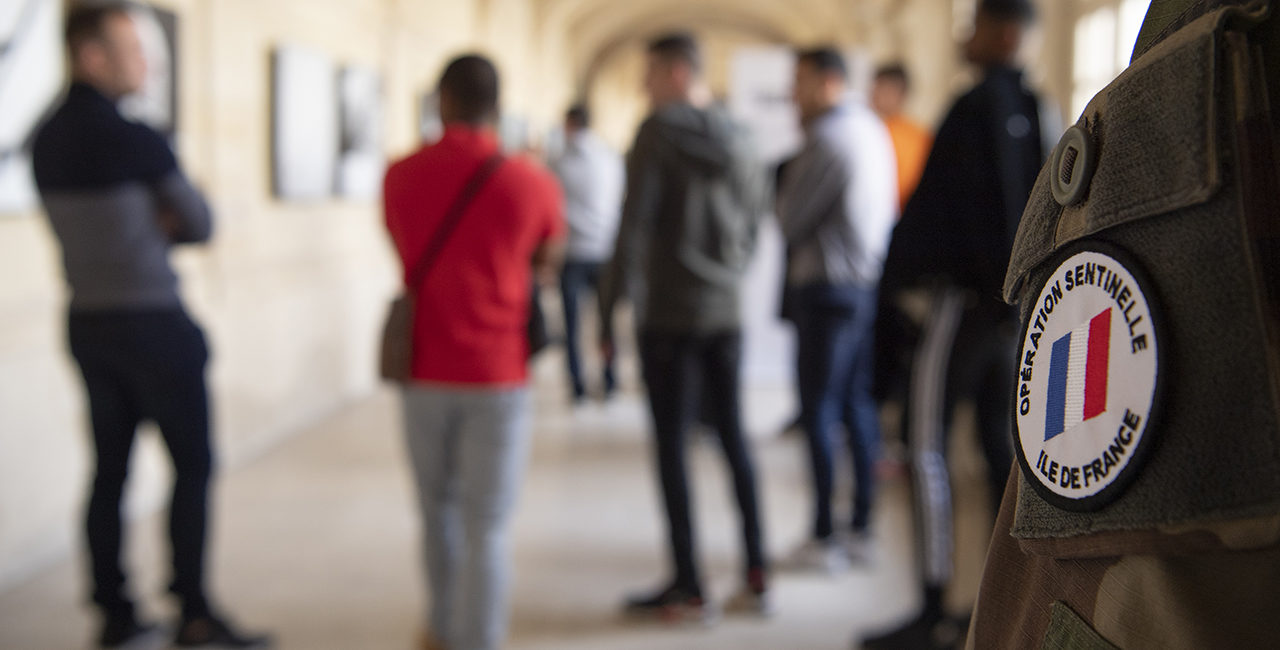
(703, 139)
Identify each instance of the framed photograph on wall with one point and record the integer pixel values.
(760, 80)
(31, 78)
(361, 160)
(304, 124)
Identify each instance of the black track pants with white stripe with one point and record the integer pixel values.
(966, 352)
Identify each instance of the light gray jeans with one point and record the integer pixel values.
(468, 448)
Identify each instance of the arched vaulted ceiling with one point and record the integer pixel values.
(598, 29)
(640, 32)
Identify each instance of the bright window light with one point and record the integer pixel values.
(1103, 42)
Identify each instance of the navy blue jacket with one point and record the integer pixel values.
(960, 223)
(117, 201)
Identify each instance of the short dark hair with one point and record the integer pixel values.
(471, 82)
(1022, 11)
(826, 60)
(578, 116)
(85, 21)
(677, 47)
(895, 72)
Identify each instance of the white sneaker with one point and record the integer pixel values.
(859, 547)
(820, 555)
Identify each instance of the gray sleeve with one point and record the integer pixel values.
(812, 186)
(182, 207)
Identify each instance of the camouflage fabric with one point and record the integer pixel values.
(1208, 587)
(1185, 182)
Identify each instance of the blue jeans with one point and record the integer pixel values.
(576, 277)
(468, 448)
(834, 327)
(688, 375)
(146, 365)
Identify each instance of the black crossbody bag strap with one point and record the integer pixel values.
(451, 220)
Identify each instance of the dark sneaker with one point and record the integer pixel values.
(210, 632)
(671, 605)
(923, 633)
(123, 632)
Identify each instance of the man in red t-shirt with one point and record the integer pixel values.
(467, 410)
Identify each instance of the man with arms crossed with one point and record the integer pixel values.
(118, 201)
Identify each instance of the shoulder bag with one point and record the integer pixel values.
(397, 349)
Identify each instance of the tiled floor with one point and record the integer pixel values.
(316, 541)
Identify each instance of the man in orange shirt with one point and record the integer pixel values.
(911, 142)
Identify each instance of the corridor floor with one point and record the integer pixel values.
(316, 541)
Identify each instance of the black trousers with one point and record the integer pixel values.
(687, 375)
(146, 366)
(967, 352)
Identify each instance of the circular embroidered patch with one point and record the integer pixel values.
(1088, 379)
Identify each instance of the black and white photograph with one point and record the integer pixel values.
(361, 161)
(304, 124)
(31, 76)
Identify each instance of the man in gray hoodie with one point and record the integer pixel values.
(695, 192)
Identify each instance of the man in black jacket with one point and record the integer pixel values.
(118, 201)
(954, 239)
(695, 194)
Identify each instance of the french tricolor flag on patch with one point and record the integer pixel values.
(1078, 375)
